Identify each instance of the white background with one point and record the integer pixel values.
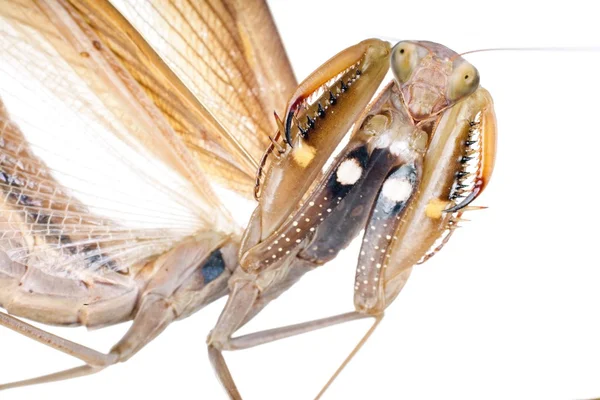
(508, 310)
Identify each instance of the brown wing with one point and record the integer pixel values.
(215, 69)
(92, 175)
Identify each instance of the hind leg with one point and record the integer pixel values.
(177, 289)
(153, 317)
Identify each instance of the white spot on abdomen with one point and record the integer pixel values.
(396, 190)
(349, 172)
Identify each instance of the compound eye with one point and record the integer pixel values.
(463, 81)
(403, 60)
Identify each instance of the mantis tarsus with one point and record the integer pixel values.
(464, 254)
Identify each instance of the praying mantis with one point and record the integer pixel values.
(461, 254)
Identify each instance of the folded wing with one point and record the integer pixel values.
(104, 149)
(216, 70)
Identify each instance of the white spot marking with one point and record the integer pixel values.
(397, 190)
(349, 172)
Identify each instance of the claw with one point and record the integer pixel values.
(288, 123)
(472, 196)
(330, 69)
(488, 156)
(464, 207)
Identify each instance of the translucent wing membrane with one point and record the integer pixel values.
(216, 69)
(94, 174)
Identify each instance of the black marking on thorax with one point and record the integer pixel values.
(213, 267)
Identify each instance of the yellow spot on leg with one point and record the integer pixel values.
(435, 207)
(303, 153)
